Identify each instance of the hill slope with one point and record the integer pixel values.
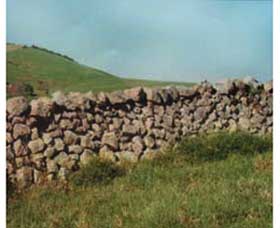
(47, 71)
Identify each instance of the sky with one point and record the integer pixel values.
(178, 40)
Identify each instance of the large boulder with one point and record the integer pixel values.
(17, 106)
(117, 97)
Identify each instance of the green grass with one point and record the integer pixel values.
(175, 190)
(30, 65)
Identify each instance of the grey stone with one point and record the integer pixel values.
(20, 130)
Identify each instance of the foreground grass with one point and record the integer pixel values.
(175, 190)
(47, 71)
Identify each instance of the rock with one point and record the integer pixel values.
(86, 142)
(106, 154)
(268, 87)
(127, 156)
(186, 92)
(149, 154)
(152, 94)
(136, 94)
(17, 106)
(63, 174)
(251, 82)
(34, 134)
(75, 149)
(200, 114)
(70, 137)
(20, 130)
(9, 137)
(59, 144)
(24, 177)
(36, 145)
(117, 97)
(59, 98)
(138, 145)
(129, 130)
(9, 153)
(52, 166)
(77, 101)
(50, 152)
(149, 142)
(244, 123)
(19, 148)
(38, 176)
(86, 157)
(42, 107)
(66, 124)
(226, 86)
(47, 138)
(111, 140)
(65, 161)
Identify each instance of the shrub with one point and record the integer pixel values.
(217, 146)
(96, 172)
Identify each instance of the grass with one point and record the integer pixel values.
(175, 190)
(44, 69)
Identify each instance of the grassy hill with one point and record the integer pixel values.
(220, 180)
(47, 71)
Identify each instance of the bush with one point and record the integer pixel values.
(217, 146)
(96, 172)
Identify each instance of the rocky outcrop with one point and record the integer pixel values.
(50, 138)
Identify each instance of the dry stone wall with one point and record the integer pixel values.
(48, 138)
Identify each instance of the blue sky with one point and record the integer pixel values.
(178, 40)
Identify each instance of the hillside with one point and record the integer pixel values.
(47, 71)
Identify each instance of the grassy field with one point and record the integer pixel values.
(221, 180)
(43, 69)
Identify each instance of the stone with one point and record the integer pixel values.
(149, 154)
(9, 137)
(63, 174)
(138, 145)
(65, 161)
(47, 138)
(86, 141)
(149, 142)
(200, 114)
(268, 86)
(106, 154)
(9, 153)
(19, 148)
(244, 123)
(52, 166)
(38, 176)
(66, 124)
(116, 97)
(50, 152)
(70, 137)
(251, 82)
(129, 129)
(110, 139)
(127, 156)
(136, 94)
(86, 157)
(17, 106)
(24, 177)
(226, 86)
(36, 145)
(34, 134)
(42, 107)
(20, 130)
(186, 92)
(77, 149)
(152, 94)
(59, 144)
